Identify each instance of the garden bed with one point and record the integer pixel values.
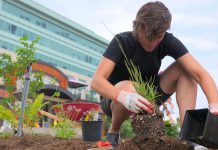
(36, 142)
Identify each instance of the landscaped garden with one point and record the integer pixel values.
(142, 131)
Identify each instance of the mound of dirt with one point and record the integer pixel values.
(150, 134)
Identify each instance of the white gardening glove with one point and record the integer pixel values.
(213, 109)
(134, 102)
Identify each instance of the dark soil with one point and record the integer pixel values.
(44, 143)
(150, 134)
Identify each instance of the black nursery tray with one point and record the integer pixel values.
(200, 126)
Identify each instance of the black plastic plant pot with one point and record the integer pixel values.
(91, 130)
(200, 126)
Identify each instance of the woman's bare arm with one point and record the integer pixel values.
(201, 76)
(100, 83)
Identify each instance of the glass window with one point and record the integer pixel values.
(10, 8)
(50, 44)
(43, 25)
(13, 29)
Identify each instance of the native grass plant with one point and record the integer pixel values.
(146, 89)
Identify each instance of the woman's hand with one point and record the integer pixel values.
(134, 102)
(214, 109)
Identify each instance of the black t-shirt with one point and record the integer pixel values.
(148, 62)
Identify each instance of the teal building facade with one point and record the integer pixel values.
(63, 43)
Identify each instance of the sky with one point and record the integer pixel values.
(194, 23)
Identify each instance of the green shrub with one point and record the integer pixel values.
(65, 129)
(126, 130)
(6, 135)
(172, 129)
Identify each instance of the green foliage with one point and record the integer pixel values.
(31, 111)
(126, 128)
(7, 65)
(9, 68)
(25, 55)
(36, 83)
(6, 135)
(8, 115)
(172, 129)
(147, 88)
(107, 123)
(56, 94)
(65, 129)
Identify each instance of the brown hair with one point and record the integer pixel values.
(152, 18)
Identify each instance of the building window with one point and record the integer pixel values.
(13, 29)
(26, 18)
(4, 47)
(38, 23)
(43, 25)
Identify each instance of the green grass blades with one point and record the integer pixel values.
(146, 89)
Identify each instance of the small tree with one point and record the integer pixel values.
(10, 71)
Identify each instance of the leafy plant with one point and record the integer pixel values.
(8, 115)
(65, 129)
(36, 84)
(7, 68)
(126, 128)
(12, 70)
(25, 55)
(31, 112)
(172, 129)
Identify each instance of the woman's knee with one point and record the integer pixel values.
(126, 85)
(174, 75)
